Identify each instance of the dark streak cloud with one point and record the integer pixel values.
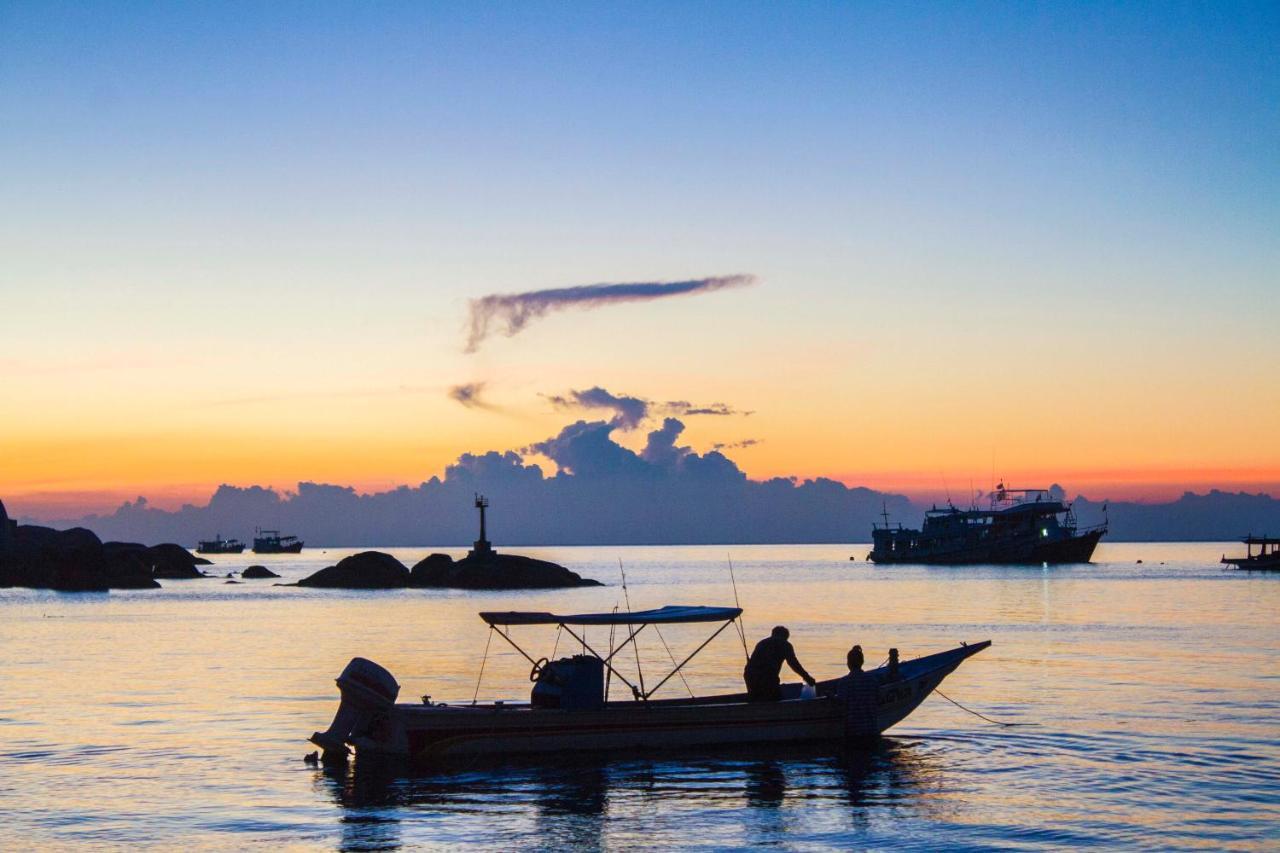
(734, 445)
(508, 314)
(469, 395)
(629, 412)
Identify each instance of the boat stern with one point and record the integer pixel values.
(366, 714)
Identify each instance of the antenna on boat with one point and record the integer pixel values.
(742, 631)
(635, 646)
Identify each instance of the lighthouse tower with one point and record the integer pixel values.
(481, 547)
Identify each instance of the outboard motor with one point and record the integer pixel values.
(368, 691)
(573, 684)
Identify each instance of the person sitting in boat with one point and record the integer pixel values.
(765, 665)
(893, 674)
(857, 693)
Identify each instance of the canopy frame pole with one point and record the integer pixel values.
(689, 658)
(514, 645)
(630, 636)
(604, 661)
(476, 696)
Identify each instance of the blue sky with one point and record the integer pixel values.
(912, 182)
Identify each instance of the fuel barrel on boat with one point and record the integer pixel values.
(573, 684)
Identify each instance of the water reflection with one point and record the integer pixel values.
(582, 802)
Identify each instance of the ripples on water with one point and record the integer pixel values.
(179, 716)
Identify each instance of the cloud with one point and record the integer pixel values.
(509, 313)
(733, 445)
(684, 408)
(469, 395)
(628, 411)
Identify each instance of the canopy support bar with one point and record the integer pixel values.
(689, 658)
(523, 653)
(605, 661)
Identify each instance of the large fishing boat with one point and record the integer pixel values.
(1022, 526)
(1267, 558)
(218, 545)
(271, 542)
(570, 709)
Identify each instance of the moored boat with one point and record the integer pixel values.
(1267, 558)
(570, 711)
(218, 545)
(271, 542)
(1022, 526)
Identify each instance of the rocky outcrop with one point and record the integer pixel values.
(488, 570)
(76, 560)
(257, 572)
(175, 562)
(72, 560)
(366, 570)
(169, 561)
(428, 569)
(491, 570)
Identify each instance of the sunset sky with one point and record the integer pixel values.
(238, 241)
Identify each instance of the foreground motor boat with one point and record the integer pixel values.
(569, 710)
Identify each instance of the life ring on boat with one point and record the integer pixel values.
(539, 666)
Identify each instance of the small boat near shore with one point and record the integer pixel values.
(570, 710)
(218, 545)
(271, 542)
(1022, 527)
(1267, 558)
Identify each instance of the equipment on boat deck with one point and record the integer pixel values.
(573, 684)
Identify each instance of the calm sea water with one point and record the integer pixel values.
(179, 716)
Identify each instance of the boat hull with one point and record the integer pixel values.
(278, 549)
(1074, 549)
(1268, 563)
(429, 734)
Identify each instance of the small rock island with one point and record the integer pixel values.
(482, 568)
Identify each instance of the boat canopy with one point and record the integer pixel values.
(671, 614)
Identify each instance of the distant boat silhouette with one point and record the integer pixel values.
(1268, 556)
(218, 545)
(271, 542)
(1021, 527)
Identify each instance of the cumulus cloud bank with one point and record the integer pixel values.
(509, 313)
(601, 493)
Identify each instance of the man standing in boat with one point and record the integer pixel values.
(765, 665)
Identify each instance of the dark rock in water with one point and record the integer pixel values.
(429, 568)
(366, 570)
(128, 566)
(254, 572)
(174, 561)
(44, 558)
(76, 560)
(491, 570)
(231, 581)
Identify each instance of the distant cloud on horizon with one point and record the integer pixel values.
(508, 314)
